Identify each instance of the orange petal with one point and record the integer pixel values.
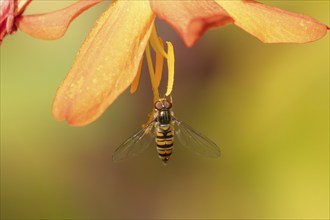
(136, 81)
(273, 25)
(21, 5)
(106, 64)
(53, 25)
(191, 18)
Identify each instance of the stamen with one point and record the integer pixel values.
(154, 41)
(152, 73)
(170, 66)
(136, 81)
(159, 65)
(156, 74)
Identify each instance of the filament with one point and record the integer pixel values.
(170, 67)
(152, 73)
(156, 71)
(159, 66)
(156, 45)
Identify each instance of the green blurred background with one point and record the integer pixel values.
(266, 106)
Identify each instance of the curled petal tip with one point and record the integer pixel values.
(53, 25)
(190, 18)
(273, 25)
(199, 26)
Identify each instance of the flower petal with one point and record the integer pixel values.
(191, 18)
(4, 9)
(136, 81)
(21, 5)
(53, 25)
(273, 25)
(106, 64)
(9, 10)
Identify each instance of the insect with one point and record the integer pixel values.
(162, 130)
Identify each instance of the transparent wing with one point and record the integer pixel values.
(195, 141)
(135, 145)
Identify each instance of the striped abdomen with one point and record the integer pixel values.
(164, 141)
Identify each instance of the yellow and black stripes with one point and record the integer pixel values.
(164, 141)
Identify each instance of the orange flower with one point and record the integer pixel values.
(47, 26)
(109, 61)
(269, 24)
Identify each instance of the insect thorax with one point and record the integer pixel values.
(164, 116)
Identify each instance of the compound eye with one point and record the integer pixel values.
(167, 104)
(158, 105)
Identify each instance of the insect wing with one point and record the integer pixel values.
(195, 141)
(135, 145)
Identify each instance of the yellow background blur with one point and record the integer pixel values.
(266, 106)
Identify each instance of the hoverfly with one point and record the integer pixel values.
(162, 129)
